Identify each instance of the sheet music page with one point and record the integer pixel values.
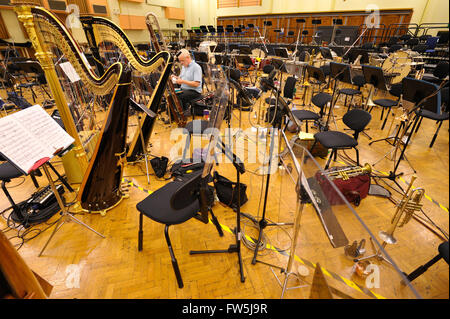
(40, 124)
(30, 135)
(70, 72)
(18, 145)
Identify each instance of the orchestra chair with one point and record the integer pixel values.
(320, 100)
(288, 91)
(7, 173)
(351, 92)
(375, 77)
(443, 252)
(419, 48)
(174, 203)
(7, 106)
(354, 119)
(438, 117)
(395, 47)
(440, 72)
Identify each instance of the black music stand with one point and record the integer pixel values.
(216, 121)
(140, 107)
(326, 53)
(279, 65)
(200, 56)
(281, 52)
(425, 96)
(339, 72)
(354, 53)
(318, 75)
(33, 68)
(315, 22)
(244, 49)
(247, 62)
(374, 76)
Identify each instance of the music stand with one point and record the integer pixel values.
(279, 64)
(354, 53)
(326, 53)
(280, 106)
(425, 96)
(31, 67)
(315, 22)
(245, 49)
(200, 56)
(281, 52)
(317, 74)
(333, 36)
(216, 119)
(339, 72)
(140, 107)
(375, 77)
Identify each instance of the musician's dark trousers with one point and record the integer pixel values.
(186, 96)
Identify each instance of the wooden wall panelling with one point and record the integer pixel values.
(3, 30)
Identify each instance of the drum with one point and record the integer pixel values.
(397, 65)
(258, 53)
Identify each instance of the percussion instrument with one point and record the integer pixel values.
(397, 65)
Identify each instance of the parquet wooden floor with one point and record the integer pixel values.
(80, 264)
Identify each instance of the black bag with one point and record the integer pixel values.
(226, 191)
(181, 168)
(159, 165)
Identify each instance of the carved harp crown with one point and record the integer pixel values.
(99, 29)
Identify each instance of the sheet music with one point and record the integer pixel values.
(30, 135)
(70, 72)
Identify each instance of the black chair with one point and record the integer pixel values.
(172, 204)
(320, 100)
(439, 73)
(288, 91)
(443, 250)
(438, 117)
(7, 173)
(420, 48)
(388, 104)
(394, 48)
(358, 81)
(354, 119)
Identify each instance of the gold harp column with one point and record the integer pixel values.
(75, 161)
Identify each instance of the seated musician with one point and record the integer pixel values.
(190, 79)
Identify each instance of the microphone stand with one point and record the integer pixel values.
(263, 222)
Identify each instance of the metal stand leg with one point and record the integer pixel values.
(66, 216)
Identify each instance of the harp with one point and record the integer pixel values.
(98, 29)
(101, 180)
